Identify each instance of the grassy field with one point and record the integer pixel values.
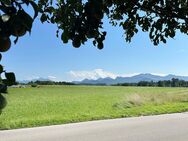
(48, 105)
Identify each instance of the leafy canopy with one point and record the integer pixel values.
(79, 20)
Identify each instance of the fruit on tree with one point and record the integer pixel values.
(76, 41)
(19, 31)
(5, 44)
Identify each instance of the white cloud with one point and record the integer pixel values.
(32, 77)
(160, 74)
(128, 75)
(52, 77)
(93, 74)
(98, 73)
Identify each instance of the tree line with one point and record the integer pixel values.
(49, 83)
(162, 83)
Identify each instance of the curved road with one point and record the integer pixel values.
(171, 127)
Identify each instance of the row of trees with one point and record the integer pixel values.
(49, 83)
(164, 83)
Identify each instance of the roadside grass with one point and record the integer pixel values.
(135, 100)
(50, 105)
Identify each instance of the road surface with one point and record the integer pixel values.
(170, 127)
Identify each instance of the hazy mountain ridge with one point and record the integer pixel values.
(132, 79)
(39, 79)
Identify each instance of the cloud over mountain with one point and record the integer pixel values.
(97, 73)
(93, 74)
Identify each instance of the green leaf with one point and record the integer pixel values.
(26, 18)
(1, 69)
(26, 2)
(64, 37)
(43, 18)
(172, 33)
(7, 2)
(3, 88)
(0, 57)
(11, 79)
(2, 102)
(35, 8)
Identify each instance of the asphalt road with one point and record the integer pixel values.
(172, 127)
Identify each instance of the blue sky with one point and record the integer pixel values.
(41, 54)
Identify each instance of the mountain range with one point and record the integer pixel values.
(38, 79)
(132, 79)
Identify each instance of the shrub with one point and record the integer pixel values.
(34, 85)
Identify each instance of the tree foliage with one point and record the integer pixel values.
(162, 83)
(14, 21)
(49, 82)
(81, 20)
(77, 20)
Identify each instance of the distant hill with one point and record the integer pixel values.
(132, 79)
(39, 79)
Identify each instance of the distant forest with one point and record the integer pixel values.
(164, 83)
(49, 83)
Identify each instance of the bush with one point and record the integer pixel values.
(34, 85)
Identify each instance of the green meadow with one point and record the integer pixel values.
(51, 105)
